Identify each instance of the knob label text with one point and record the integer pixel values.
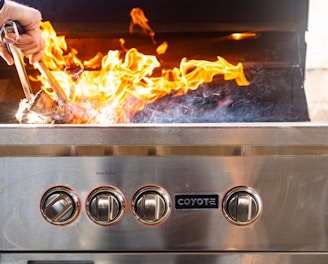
(196, 201)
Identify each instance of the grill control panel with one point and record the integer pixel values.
(119, 204)
(150, 205)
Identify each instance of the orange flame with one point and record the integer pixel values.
(124, 85)
(138, 18)
(161, 49)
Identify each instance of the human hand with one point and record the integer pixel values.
(30, 43)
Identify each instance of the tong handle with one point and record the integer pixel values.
(16, 28)
(43, 69)
(22, 74)
(46, 73)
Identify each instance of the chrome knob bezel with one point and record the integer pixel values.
(106, 190)
(56, 195)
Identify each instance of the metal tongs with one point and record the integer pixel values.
(41, 107)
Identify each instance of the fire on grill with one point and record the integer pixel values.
(115, 66)
(112, 88)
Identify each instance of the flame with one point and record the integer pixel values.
(244, 35)
(138, 18)
(124, 81)
(161, 49)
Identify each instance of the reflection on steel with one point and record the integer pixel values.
(244, 35)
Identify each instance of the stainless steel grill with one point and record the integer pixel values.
(240, 183)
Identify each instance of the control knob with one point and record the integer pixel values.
(151, 205)
(105, 205)
(60, 205)
(242, 205)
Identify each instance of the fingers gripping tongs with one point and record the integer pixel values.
(41, 107)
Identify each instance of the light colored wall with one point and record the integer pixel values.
(317, 35)
(316, 78)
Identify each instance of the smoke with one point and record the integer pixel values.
(274, 95)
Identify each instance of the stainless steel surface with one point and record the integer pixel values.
(164, 258)
(285, 164)
(297, 136)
